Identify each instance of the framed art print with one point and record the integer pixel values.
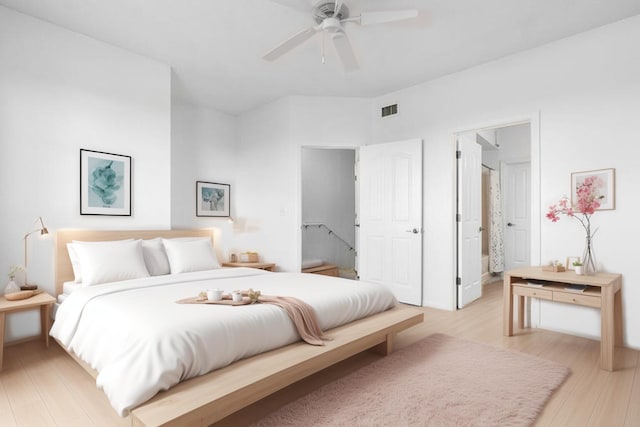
(213, 199)
(570, 260)
(605, 186)
(105, 183)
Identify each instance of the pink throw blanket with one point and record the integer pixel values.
(302, 315)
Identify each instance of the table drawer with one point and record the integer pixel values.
(577, 299)
(529, 291)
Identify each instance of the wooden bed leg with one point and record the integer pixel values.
(386, 347)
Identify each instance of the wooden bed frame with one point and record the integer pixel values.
(203, 400)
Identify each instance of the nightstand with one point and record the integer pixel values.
(43, 301)
(324, 269)
(261, 265)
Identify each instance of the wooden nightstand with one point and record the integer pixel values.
(261, 265)
(324, 269)
(44, 301)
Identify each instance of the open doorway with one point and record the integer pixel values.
(504, 191)
(328, 213)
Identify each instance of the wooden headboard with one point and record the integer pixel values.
(64, 271)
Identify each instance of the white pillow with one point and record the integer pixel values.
(75, 261)
(190, 255)
(111, 262)
(155, 257)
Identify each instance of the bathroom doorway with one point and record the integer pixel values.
(505, 231)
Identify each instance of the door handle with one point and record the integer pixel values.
(510, 224)
(414, 231)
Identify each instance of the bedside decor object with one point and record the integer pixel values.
(105, 183)
(43, 232)
(249, 257)
(17, 296)
(213, 199)
(12, 287)
(589, 196)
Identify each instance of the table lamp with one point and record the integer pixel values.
(43, 231)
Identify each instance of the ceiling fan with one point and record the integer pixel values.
(330, 17)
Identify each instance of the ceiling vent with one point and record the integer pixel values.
(389, 110)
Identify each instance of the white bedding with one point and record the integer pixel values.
(67, 289)
(141, 341)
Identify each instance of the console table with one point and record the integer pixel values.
(605, 294)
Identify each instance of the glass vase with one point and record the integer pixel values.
(589, 258)
(11, 288)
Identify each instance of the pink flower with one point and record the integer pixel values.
(588, 201)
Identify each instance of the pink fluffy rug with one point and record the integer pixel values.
(439, 381)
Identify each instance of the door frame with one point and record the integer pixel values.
(298, 213)
(536, 213)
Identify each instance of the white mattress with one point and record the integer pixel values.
(140, 341)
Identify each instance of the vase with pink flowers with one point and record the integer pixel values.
(588, 198)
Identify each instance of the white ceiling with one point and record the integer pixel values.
(215, 46)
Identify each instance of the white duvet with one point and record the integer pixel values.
(140, 341)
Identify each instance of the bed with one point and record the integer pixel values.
(109, 328)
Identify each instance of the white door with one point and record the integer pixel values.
(517, 200)
(469, 221)
(390, 210)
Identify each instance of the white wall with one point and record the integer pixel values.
(587, 89)
(328, 197)
(269, 149)
(514, 142)
(202, 149)
(59, 92)
(265, 197)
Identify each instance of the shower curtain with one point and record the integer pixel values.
(496, 231)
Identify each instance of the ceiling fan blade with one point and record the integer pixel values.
(290, 43)
(345, 51)
(337, 7)
(372, 18)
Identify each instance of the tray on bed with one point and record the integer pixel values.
(203, 300)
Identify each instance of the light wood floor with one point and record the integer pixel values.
(42, 387)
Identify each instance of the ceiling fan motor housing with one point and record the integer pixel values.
(325, 10)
